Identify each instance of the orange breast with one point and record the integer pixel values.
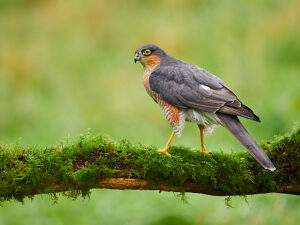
(149, 63)
(171, 112)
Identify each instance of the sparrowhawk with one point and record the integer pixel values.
(186, 92)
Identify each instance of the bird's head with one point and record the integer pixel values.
(149, 55)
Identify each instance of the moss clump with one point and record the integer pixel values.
(76, 167)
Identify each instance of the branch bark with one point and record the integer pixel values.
(97, 162)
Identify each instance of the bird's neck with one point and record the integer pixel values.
(150, 63)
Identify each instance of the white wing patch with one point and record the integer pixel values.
(205, 87)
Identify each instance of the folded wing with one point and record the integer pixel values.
(188, 86)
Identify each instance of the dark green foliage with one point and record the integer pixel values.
(77, 167)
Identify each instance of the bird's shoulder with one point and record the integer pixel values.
(173, 69)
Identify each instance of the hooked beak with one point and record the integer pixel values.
(136, 57)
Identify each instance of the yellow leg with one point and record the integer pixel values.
(201, 127)
(165, 149)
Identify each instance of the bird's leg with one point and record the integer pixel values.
(201, 127)
(165, 149)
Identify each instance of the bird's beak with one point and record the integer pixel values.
(136, 57)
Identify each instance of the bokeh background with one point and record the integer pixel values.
(66, 66)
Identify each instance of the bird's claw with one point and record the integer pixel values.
(164, 151)
(207, 153)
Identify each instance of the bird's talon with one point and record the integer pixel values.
(164, 151)
(207, 153)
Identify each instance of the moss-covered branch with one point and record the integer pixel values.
(97, 162)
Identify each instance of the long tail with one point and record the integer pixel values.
(233, 124)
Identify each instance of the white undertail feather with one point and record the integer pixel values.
(208, 120)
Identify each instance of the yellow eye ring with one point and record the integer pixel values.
(147, 52)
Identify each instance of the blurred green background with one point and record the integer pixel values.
(66, 66)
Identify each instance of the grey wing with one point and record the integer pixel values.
(188, 86)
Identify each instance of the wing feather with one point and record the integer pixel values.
(188, 86)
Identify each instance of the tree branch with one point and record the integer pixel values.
(97, 162)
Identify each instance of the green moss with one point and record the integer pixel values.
(78, 166)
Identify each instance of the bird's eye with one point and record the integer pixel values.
(147, 52)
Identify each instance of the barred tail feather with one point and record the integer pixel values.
(233, 124)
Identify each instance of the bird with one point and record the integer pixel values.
(186, 92)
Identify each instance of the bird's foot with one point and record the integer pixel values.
(164, 151)
(205, 152)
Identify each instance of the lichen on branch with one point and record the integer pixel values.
(94, 161)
